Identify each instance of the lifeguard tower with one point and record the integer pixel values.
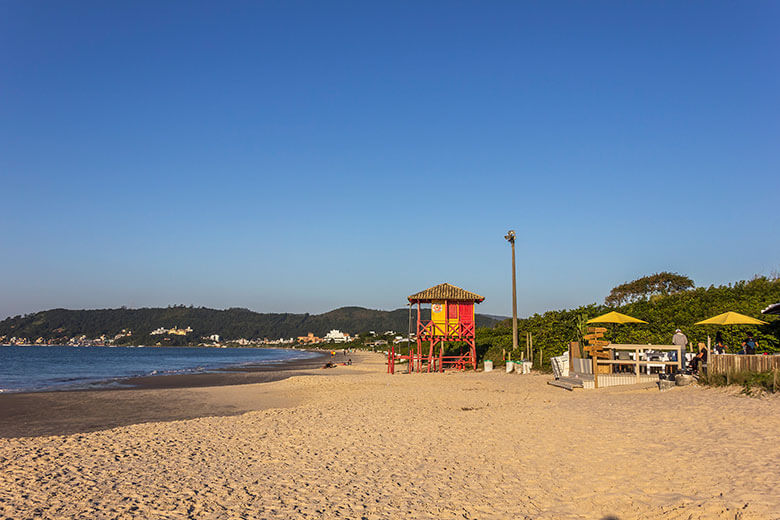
(452, 321)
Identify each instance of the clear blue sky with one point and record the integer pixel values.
(287, 156)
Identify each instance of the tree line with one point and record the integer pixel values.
(230, 324)
(664, 307)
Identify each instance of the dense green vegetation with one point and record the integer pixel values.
(679, 308)
(229, 324)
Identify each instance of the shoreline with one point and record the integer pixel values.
(226, 376)
(181, 379)
(154, 398)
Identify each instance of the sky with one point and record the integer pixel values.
(303, 156)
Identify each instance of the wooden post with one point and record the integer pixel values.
(390, 359)
(527, 346)
(595, 369)
(636, 360)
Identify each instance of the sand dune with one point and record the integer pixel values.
(364, 444)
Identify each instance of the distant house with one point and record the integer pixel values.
(336, 336)
(175, 330)
(309, 338)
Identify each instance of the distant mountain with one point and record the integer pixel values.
(496, 317)
(229, 324)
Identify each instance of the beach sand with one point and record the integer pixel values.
(353, 442)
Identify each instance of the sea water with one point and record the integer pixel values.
(42, 368)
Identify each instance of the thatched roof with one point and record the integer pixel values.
(445, 291)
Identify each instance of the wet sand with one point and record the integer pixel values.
(358, 443)
(147, 399)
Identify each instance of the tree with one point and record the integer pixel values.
(644, 288)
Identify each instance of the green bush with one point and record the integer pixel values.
(751, 382)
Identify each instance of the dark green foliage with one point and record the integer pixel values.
(230, 324)
(553, 330)
(645, 288)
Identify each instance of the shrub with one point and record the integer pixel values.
(751, 382)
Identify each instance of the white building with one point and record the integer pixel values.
(336, 336)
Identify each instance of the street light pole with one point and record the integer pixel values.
(510, 236)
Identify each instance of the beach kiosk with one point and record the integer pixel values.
(451, 321)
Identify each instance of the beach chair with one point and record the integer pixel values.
(560, 366)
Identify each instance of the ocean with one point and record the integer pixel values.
(47, 368)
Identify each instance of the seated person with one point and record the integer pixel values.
(749, 345)
(700, 358)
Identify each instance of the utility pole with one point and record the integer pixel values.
(510, 236)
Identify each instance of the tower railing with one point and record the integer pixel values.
(445, 329)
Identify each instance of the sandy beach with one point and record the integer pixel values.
(353, 442)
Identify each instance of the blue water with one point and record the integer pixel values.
(32, 369)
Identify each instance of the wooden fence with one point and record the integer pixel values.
(730, 364)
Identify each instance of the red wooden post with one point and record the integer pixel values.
(419, 332)
(391, 360)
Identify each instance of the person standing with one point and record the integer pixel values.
(681, 340)
(749, 345)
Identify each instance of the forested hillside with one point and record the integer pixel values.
(678, 306)
(229, 324)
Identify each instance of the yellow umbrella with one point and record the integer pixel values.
(615, 317)
(731, 318)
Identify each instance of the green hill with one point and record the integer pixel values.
(229, 324)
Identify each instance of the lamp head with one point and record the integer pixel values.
(510, 236)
